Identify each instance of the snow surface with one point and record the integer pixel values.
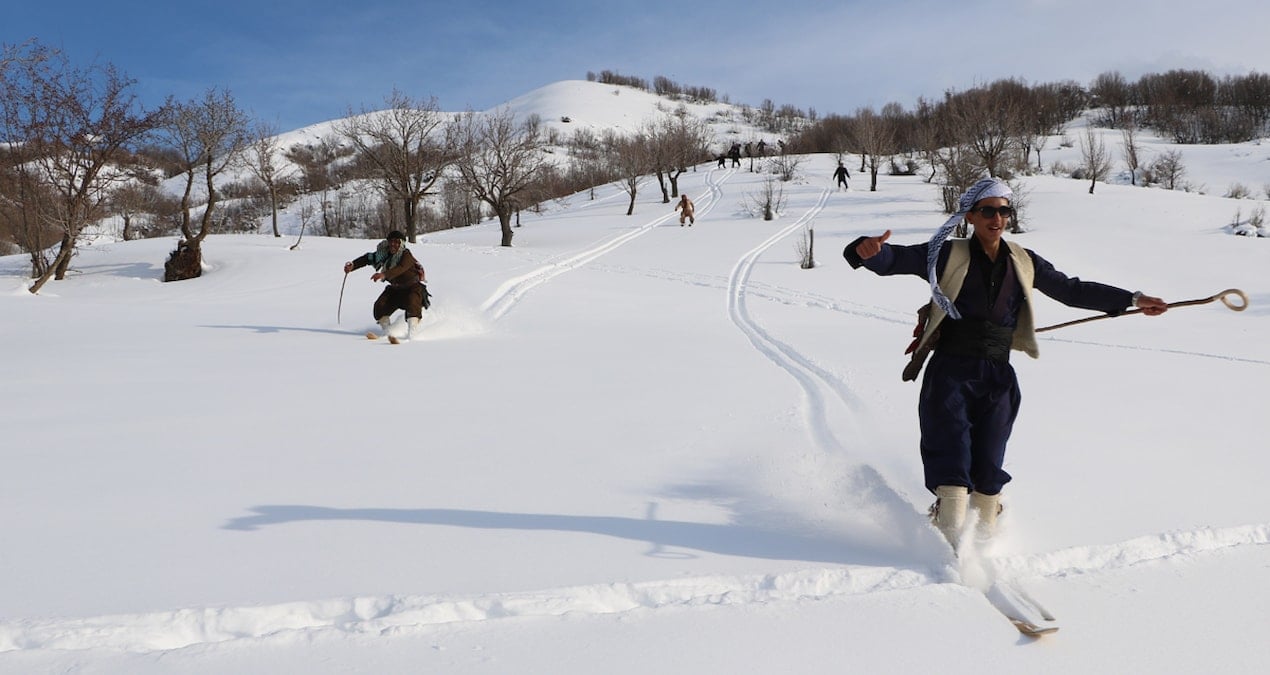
(624, 446)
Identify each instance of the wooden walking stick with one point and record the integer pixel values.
(340, 308)
(1224, 296)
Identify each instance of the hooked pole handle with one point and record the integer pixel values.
(1224, 296)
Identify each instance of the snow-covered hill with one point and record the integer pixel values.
(627, 446)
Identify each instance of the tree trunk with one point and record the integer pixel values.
(412, 232)
(62, 261)
(186, 262)
(505, 223)
(273, 206)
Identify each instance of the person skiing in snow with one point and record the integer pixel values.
(686, 208)
(970, 396)
(840, 175)
(407, 283)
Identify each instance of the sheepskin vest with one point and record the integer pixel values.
(954, 275)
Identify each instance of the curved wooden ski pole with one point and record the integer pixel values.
(340, 308)
(1224, 296)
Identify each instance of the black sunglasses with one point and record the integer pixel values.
(992, 211)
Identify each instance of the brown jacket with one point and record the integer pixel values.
(401, 274)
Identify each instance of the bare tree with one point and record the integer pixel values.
(24, 203)
(208, 134)
(318, 162)
(1167, 169)
(660, 154)
(1129, 145)
(408, 147)
(131, 202)
(1096, 160)
(688, 140)
(627, 158)
(588, 166)
(1114, 96)
(876, 138)
(927, 134)
(985, 123)
(499, 161)
(262, 162)
(75, 127)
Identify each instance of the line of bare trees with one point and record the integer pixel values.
(76, 147)
(1188, 106)
(1001, 128)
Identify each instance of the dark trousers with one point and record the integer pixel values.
(408, 297)
(967, 409)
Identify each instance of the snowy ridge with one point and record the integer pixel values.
(1146, 549)
(398, 615)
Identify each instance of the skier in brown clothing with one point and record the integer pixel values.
(407, 284)
(686, 207)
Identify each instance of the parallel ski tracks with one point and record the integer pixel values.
(822, 389)
(514, 290)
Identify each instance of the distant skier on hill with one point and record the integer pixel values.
(686, 209)
(840, 175)
(407, 282)
(970, 395)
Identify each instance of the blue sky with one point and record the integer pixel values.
(292, 63)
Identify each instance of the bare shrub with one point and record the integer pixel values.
(1258, 217)
(1238, 191)
(767, 202)
(904, 167)
(786, 166)
(1166, 170)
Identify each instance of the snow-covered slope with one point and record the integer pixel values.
(625, 446)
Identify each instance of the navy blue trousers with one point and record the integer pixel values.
(967, 409)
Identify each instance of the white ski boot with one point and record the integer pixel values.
(948, 513)
(988, 507)
(384, 323)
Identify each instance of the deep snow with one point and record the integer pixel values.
(626, 446)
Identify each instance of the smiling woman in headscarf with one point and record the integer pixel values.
(980, 310)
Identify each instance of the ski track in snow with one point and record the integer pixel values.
(821, 390)
(393, 615)
(514, 290)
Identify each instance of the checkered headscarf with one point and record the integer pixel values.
(988, 187)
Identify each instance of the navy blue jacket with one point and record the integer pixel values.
(974, 300)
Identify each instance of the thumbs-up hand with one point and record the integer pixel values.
(871, 246)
